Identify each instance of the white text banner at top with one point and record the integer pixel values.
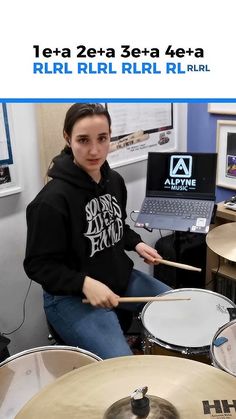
(139, 50)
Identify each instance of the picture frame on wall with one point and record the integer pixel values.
(222, 108)
(138, 128)
(9, 170)
(226, 149)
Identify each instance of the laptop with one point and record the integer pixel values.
(180, 192)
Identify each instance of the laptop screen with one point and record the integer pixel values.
(185, 175)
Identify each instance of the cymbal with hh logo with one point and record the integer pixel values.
(176, 388)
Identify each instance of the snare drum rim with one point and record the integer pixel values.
(212, 352)
(49, 348)
(191, 350)
(186, 350)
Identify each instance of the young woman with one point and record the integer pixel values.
(77, 237)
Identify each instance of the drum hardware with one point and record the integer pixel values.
(177, 388)
(185, 351)
(151, 346)
(138, 405)
(232, 313)
(150, 342)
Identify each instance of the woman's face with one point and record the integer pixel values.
(89, 141)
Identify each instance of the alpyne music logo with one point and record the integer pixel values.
(181, 166)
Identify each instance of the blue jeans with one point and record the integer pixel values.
(98, 329)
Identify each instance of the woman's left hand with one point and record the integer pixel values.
(148, 253)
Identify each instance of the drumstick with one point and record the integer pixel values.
(145, 299)
(177, 265)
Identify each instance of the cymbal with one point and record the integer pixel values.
(222, 240)
(191, 387)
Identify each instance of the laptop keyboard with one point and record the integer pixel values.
(178, 207)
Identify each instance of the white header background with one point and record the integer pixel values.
(107, 24)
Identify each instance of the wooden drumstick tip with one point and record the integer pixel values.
(176, 265)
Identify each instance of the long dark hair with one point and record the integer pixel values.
(79, 111)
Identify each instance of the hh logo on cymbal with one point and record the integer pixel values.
(225, 407)
(181, 166)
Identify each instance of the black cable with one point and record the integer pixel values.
(24, 304)
(214, 276)
(145, 226)
(133, 212)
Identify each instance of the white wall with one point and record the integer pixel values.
(13, 281)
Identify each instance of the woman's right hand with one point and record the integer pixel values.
(98, 294)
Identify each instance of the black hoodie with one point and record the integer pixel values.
(76, 227)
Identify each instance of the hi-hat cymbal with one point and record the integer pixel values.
(222, 240)
(195, 390)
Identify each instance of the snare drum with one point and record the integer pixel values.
(185, 328)
(24, 374)
(223, 348)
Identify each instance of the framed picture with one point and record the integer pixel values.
(9, 171)
(226, 148)
(138, 128)
(222, 108)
